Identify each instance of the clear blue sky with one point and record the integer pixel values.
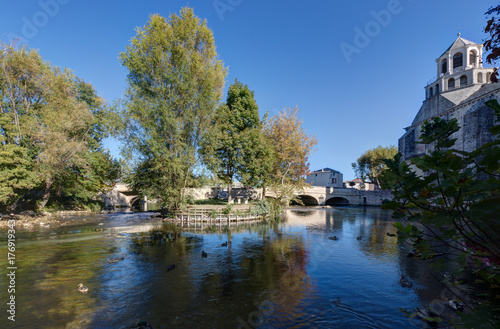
(288, 52)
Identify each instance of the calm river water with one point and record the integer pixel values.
(288, 275)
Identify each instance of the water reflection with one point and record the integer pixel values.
(269, 275)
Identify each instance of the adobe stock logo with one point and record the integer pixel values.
(372, 29)
(31, 26)
(223, 6)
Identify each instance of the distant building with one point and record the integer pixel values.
(325, 177)
(359, 185)
(460, 89)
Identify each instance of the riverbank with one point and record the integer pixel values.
(31, 218)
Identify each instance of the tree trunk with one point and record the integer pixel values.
(263, 196)
(229, 191)
(46, 195)
(59, 191)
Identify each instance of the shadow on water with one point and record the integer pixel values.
(254, 275)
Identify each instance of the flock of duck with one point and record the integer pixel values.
(205, 255)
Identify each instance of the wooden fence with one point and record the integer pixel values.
(212, 215)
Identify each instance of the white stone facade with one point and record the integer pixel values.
(461, 88)
(325, 177)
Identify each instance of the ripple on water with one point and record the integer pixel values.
(289, 275)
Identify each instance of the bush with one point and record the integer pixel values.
(453, 200)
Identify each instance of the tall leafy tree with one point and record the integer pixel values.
(292, 146)
(16, 175)
(20, 96)
(370, 165)
(235, 147)
(98, 170)
(45, 125)
(175, 83)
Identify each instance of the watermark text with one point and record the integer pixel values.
(11, 270)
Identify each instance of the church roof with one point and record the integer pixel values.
(459, 42)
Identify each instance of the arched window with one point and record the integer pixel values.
(437, 89)
(488, 77)
(444, 66)
(431, 92)
(463, 80)
(480, 77)
(451, 83)
(457, 60)
(472, 58)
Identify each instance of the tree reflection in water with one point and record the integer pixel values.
(269, 275)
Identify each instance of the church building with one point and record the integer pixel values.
(460, 89)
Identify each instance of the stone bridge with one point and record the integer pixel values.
(331, 196)
(120, 196)
(316, 195)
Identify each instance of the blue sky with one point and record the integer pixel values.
(355, 91)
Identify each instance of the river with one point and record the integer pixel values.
(288, 275)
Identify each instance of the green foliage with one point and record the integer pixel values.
(234, 147)
(175, 83)
(16, 175)
(452, 198)
(261, 209)
(213, 214)
(227, 210)
(370, 165)
(51, 129)
(217, 202)
(203, 178)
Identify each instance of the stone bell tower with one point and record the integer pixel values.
(461, 87)
(461, 65)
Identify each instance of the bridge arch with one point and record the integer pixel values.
(135, 202)
(308, 200)
(337, 201)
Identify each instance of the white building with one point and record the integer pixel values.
(325, 177)
(359, 185)
(460, 89)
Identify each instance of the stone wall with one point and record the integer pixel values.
(375, 198)
(474, 119)
(114, 198)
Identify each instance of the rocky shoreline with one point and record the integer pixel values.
(31, 218)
